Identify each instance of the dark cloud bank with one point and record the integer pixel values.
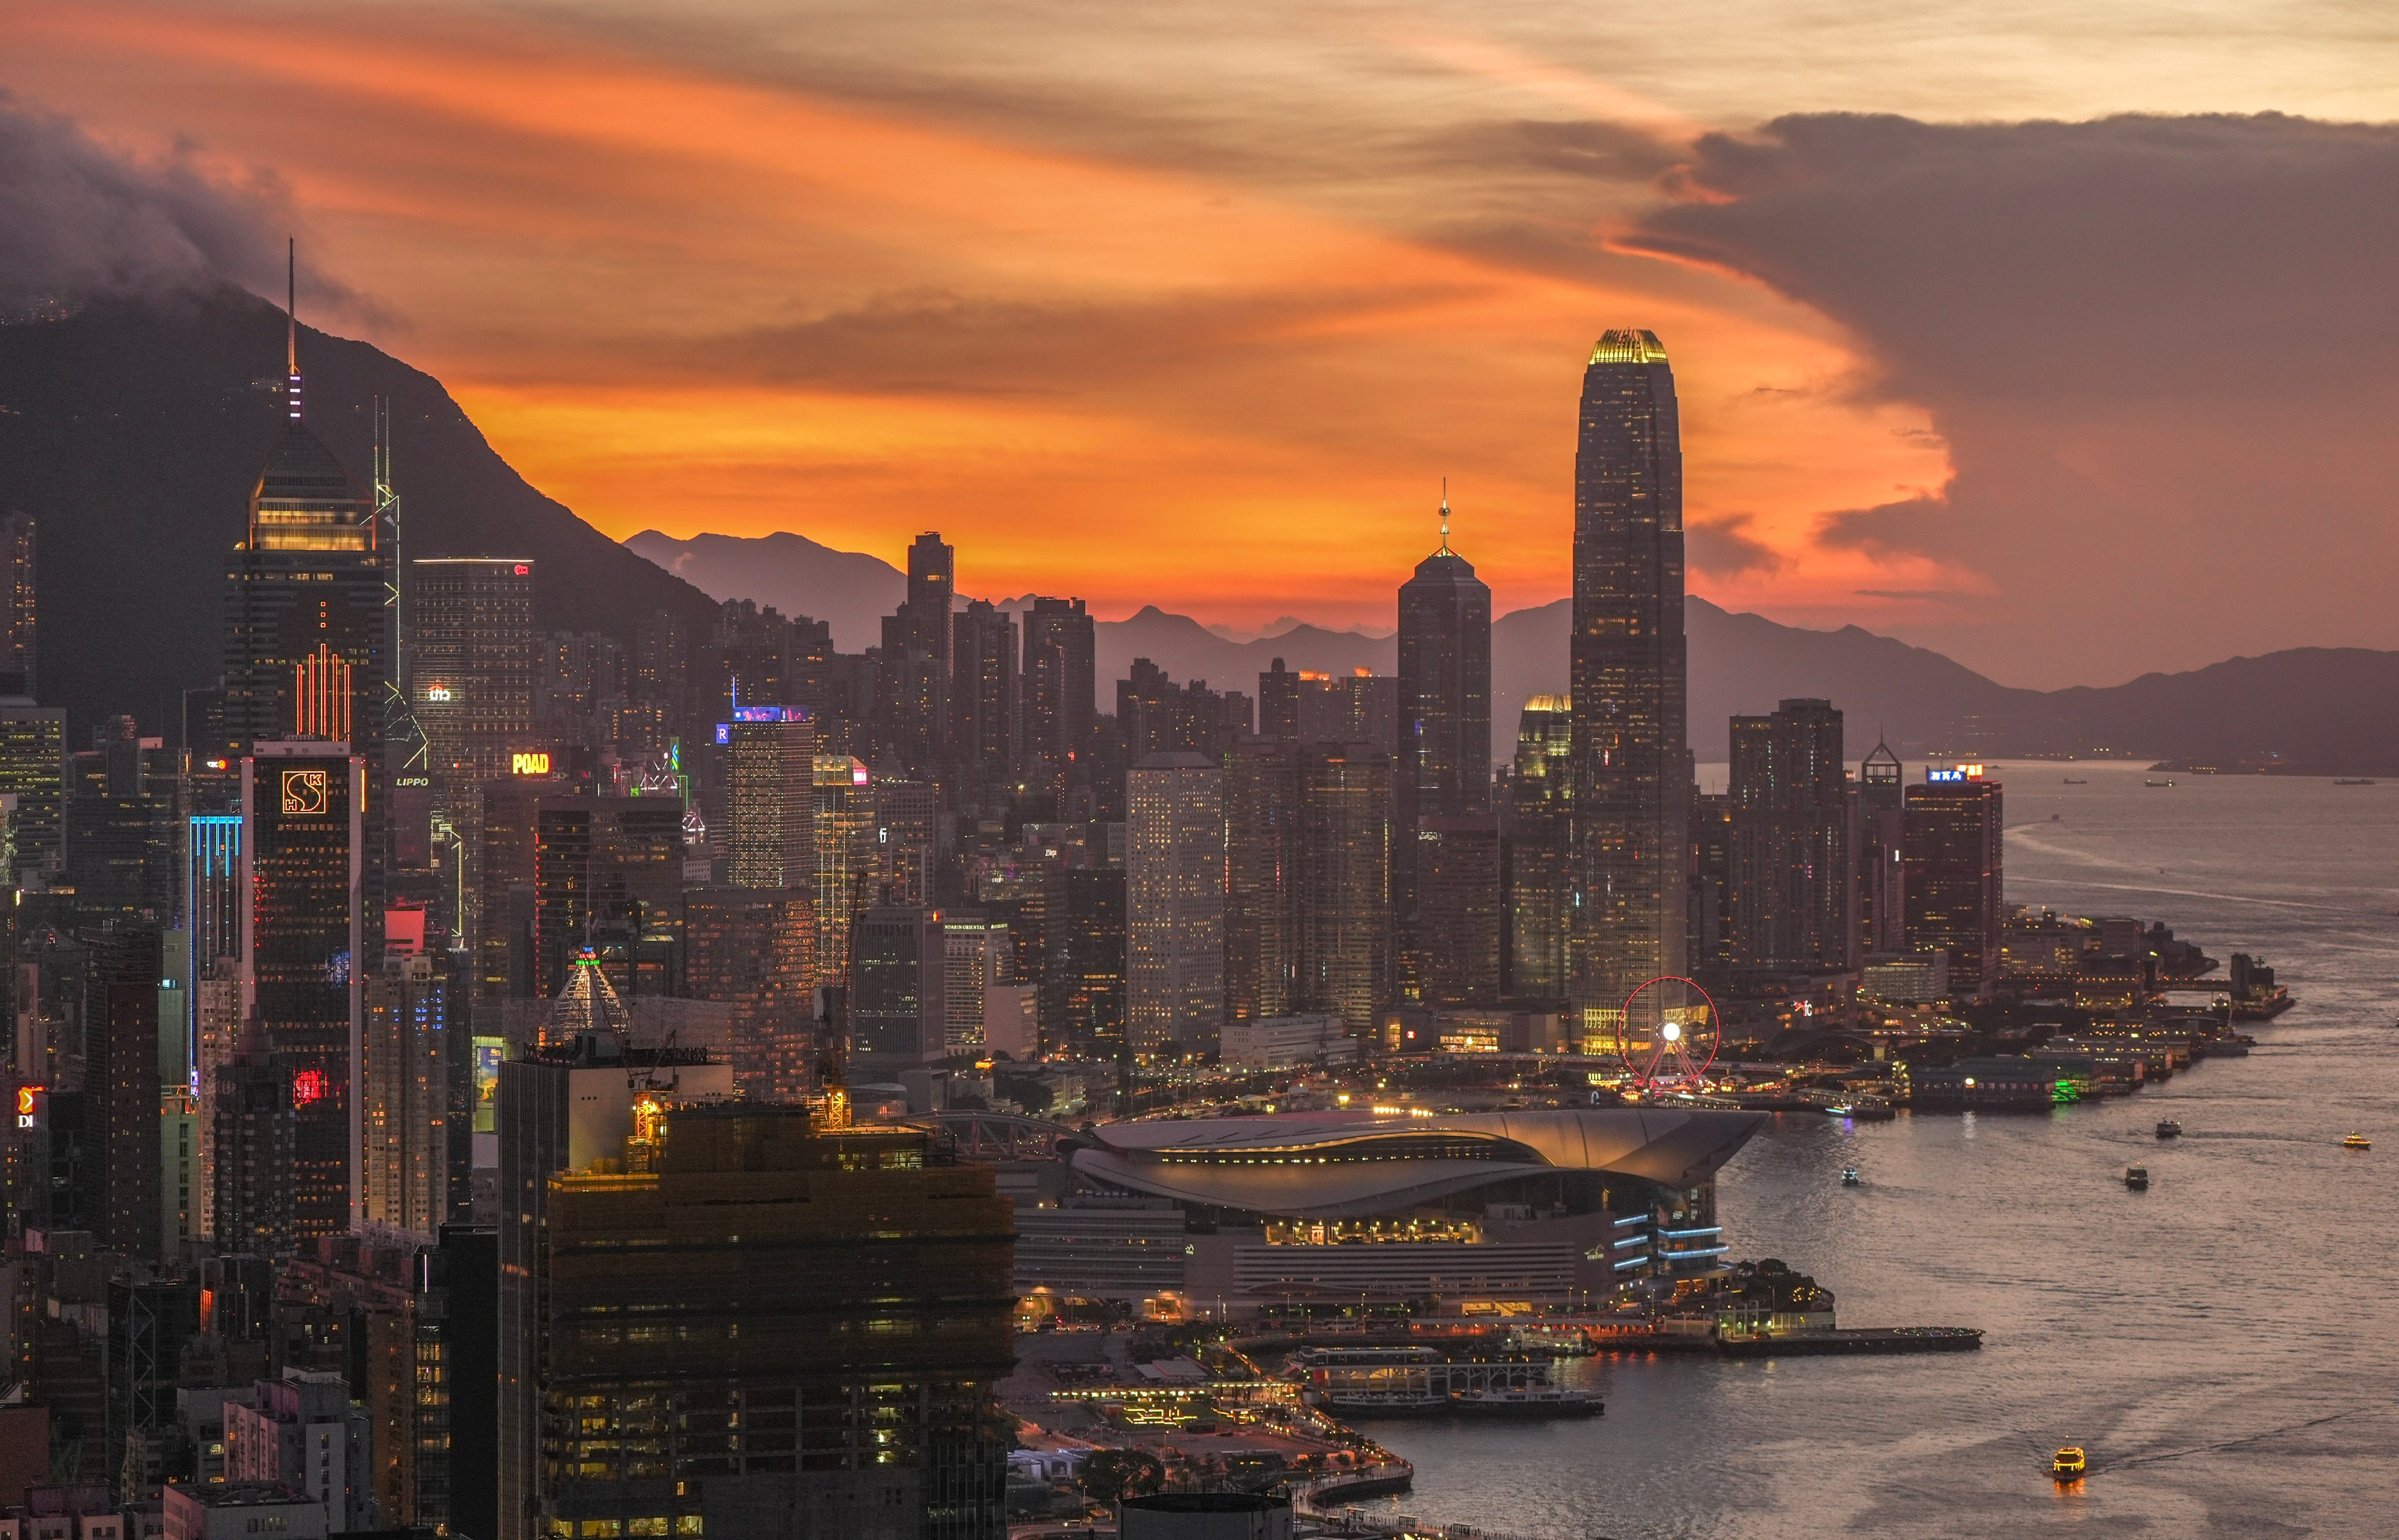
(2164, 352)
(80, 222)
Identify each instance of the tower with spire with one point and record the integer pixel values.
(1445, 682)
(1881, 878)
(308, 595)
(1444, 769)
(308, 658)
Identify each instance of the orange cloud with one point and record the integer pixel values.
(695, 299)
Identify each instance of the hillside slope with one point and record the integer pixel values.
(134, 431)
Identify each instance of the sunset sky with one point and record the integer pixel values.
(1196, 305)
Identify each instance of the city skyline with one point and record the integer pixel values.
(1862, 452)
(520, 1030)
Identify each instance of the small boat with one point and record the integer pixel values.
(2169, 1128)
(2071, 781)
(2137, 1178)
(2356, 1141)
(1865, 1109)
(2353, 783)
(1850, 1176)
(2069, 1464)
(2157, 783)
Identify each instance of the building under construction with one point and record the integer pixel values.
(761, 1323)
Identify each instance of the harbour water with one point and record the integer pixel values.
(2226, 1344)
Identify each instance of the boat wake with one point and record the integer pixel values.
(2241, 1442)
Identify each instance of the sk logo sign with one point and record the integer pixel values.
(304, 793)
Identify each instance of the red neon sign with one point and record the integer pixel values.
(308, 1086)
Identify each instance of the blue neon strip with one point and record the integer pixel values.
(1685, 1234)
(1701, 1252)
(1631, 1261)
(1637, 1219)
(1620, 1242)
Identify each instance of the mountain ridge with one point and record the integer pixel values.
(139, 427)
(2233, 713)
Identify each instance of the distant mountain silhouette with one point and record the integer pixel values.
(2314, 711)
(134, 431)
(849, 590)
(1187, 650)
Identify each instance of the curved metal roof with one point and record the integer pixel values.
(1343, 1164)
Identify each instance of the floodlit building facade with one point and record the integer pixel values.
(1632, 762)
(1174, 903)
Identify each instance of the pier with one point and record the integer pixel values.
(1870, 1339)
(1786, 1344)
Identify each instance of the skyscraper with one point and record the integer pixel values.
(1715, 887)
(471, 653)
(211, 933)
(1632, 764)
(983, 706)
(121, 827)
(1345, 939)
(977, 952)
(1083, 971)
(310, 585)
(840, 1301)
(770, 799)
(1456, 922)
(1881, 871)
(907, 839)
(1278, 702)
(303, 857)
(408, 1046)
(562, 1109)
(1308, 915)
(899, 1013)
(1954, 883)
(1060, 682)
(33, 771)
(846, 867)
(1174, 903)
(1539, 832)
(913, 666)
(1262, 877)
(932, 587)
(1444, 764)
(253, 1137)
(754, 948)
(1444, 750)
(19, 616)
(1792, 869)
(122, 1042)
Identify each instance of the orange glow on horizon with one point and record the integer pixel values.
(691, 301)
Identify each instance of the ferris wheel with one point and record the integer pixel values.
(1667, 1035)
